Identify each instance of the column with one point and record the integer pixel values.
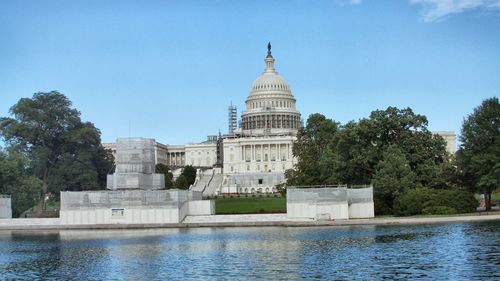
(278, 156)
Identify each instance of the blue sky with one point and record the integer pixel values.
(169, 69)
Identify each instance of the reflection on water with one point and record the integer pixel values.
(459, 251)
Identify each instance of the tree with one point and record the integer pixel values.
(163, 169)
(330, 153)
(181, 182)
(478, 157)
(392, 177)
(65, 153)
(189, 172)
(312, 142)
(355, 153)
(16, 180)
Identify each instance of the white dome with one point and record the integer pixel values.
(270, 82)
(270, 106)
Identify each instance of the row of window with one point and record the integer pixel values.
(271, 86)
(265, 168)
(281, 103)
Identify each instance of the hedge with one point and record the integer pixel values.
(434, 201)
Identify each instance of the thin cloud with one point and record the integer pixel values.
(348, 2)
(438, 10)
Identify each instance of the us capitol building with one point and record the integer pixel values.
(252, 158)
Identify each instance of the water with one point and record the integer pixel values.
(458, 251)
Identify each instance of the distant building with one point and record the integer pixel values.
(450, 138)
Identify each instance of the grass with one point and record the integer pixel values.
(250, 205)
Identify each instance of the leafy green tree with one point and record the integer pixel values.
(392, 177)
(408, 131)
(16, 180)
(312, 142)
(355, 153)
(478, 157)
(65, 153)
(328, 153)
(181, 182)
(163, 169)
(189, 172)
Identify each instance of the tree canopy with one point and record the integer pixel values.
(189, 172)
(478, 157)
(64, 152)
(393, 149)
(17, 181)
(163, 169)
(181, 182)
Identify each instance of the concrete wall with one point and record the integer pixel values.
(201, 208)
(330, 203)
(130, 216)
(335, 211)
(137, 215)
(5, 208)
(131, 206)
(361, 211)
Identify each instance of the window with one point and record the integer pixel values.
(260, 181)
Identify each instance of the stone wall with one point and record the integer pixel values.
(5, 207)
(131, 206)
(330, 203)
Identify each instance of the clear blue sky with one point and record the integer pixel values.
(169, 69)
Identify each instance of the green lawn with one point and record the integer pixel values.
(250, 205)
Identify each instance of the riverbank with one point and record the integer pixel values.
(260, 220)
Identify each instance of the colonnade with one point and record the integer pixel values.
(266, 152)
(287, 121)
(176, 159)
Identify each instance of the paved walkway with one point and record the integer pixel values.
(240, 218)
(238, 221)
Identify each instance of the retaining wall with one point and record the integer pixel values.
(131, 207)
(5, 207)
(329, 203)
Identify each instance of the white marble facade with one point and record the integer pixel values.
(258, 154)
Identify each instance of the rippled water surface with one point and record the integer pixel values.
(458, 251)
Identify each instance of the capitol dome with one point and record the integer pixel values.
(270, 82)
(270, 106)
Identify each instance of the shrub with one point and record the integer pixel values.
(412, 201)
(434, 201)
(439, 210)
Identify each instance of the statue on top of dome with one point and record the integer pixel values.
(269, 50)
